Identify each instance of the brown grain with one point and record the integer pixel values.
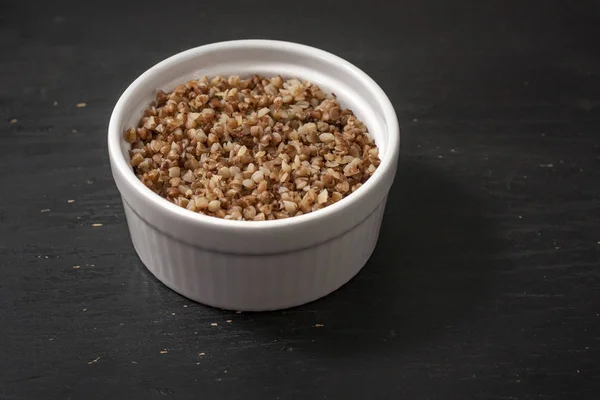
(251, 149)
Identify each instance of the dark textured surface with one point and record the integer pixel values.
(485, 283)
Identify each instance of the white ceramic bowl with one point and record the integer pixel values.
(256, 265)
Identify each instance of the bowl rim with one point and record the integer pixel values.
(122, 167)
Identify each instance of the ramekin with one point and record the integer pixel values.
(256, 265)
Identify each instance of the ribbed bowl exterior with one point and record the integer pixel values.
(254, 282)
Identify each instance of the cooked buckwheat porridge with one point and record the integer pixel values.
(251, 149)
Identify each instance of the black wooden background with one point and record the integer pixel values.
(485, 283)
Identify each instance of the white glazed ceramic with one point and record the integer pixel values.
(256, 265)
